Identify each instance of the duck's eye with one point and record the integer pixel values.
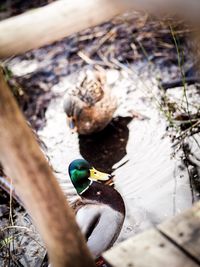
(80, 168)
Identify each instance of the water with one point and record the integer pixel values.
(154, 185)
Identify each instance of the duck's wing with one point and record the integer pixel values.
(101, 226)
(91, 85)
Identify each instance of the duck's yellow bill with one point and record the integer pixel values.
(97, 175)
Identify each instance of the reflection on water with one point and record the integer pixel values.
(138, 152)
(107, 147)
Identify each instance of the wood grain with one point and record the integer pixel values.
(184, 230)
(37, 187)
(47, 24)
(149, 249)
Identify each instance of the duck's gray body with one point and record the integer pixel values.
(100, 217)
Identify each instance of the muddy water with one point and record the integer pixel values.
(136, 149)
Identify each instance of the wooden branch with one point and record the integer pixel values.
(179, 83)
(47, 24)
(37, 187)
(57, 20)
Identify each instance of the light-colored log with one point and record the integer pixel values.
(57, 20)
(47, 24)
(149, 249)
(37, 187)
(173, 243)
(184, 229)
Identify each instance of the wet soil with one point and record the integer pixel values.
(155, 176)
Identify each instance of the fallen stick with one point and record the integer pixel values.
(37, 187)
(53, 22)
(179, 83)
(61, 18)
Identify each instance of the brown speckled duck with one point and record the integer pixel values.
(90, 105)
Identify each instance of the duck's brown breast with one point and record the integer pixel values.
(106, 195)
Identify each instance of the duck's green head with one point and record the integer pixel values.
(82, 174)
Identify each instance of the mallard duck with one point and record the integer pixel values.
(90, 105)
(100, 212)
